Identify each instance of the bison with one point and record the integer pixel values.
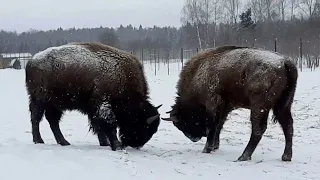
(217, 81)
(104, 83)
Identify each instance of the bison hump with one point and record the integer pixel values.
(73, 55)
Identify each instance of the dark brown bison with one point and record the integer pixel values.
(215, 82)
(100, 81)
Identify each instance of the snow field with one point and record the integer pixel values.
(169, 154)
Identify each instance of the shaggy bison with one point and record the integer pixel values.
(100, 81)
(215, 82)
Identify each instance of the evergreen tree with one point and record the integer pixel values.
(246, 20)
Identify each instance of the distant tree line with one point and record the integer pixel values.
(205, 24)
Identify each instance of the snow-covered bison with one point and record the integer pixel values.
(103, 82)
(217, 81)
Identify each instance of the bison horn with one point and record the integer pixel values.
(172, 119)
(158, 106)
(152, 118)
(166, 119)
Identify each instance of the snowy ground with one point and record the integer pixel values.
(169, 154)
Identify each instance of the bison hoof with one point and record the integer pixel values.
(286, 157)
(207, 149)
(38, 141)
(117, 146)
(243, 158)
(64, 143)
(104, 144)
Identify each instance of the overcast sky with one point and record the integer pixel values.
(22, 15)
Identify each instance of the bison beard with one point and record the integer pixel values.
(214, 83)
(98, 81)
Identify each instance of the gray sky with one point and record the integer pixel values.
(22, 15)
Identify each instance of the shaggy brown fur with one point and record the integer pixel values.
(215, 82)
(103, 82)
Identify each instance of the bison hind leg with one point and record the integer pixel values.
(286, 122)
(53, 116)
(259, 121)
(36, 111)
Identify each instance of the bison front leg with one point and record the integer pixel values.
(103, 139)
(216, 144)
(212, 108)
(223, 114)
(110, 137)
(105, 126)
(259, 122)
(213, 137)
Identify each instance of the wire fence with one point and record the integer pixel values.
(158, 59)
(306, 55)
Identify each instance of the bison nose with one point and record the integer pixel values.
(193, 139)
(207, 132)
(138, 148)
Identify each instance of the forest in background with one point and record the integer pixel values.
(204, 24)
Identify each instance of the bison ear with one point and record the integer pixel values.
(152, 118)
(172, 119)
(158, 106)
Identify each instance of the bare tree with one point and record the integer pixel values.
(217, 11)
(201, 12)
(232, 9)
(294, 4)
(270, 6)
(308, 7)
(282, 4)
(265, 10)
(257, 8)
(207, 13)
(191, 13)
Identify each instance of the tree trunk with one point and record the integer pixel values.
(199, 38)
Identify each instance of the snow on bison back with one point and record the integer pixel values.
(105, 83)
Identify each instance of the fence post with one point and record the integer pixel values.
(275, 45)
(300, 54)
(168, 59)
(158, 55)
(181, 56)
(155, 62)
(254, 42)
(142, 55)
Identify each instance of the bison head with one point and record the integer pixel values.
(189, 118)
(138, 123)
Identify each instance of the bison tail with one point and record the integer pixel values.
(35, 81)
(286, 99)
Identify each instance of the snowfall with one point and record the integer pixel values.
(169, 154)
